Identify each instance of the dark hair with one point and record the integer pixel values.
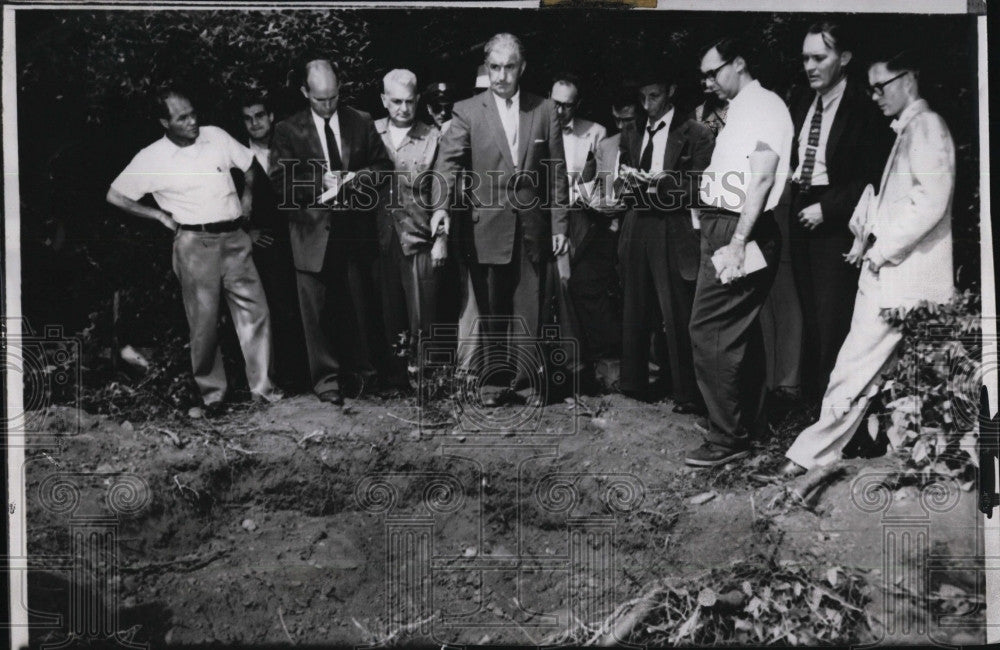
(899, 60)
(661, 73)
(567, 78)
(730, 47)
(625, 98)
(254, 97)
(160, 108)
(834, 36)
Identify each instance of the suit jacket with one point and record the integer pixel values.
(687, 154)
(856, 151)
(297, 165)
(406, 196)
(502, 194)
(911, 219)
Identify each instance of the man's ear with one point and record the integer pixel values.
(270, 116)
(385, 101)
(740, 64)
(671, 90)
(845, 58)
(305, 91)
(164, 123)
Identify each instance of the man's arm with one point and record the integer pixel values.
(246, 201)
(136, 209)
(454, 148)
(558, 184)
(932, 161)
(763, 168)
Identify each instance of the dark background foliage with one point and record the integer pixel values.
(85, 79)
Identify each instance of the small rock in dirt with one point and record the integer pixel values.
(196, 413)
(249, 524)
(704, 497)
(470, 552)
(414, 435)
(127, 427)
(600, 423)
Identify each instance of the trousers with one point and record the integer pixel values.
(211, 266)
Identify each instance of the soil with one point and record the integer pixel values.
(297, 523)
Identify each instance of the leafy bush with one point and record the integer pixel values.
(932, 395)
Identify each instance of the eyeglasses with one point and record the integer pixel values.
(710, 75)
(879, 89)
(564, 105)
(439, 107)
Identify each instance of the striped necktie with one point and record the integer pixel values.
(805, 177)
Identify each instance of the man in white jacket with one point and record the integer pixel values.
(903, 244)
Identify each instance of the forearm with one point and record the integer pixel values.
(137, 209)
(757, 193)
(246, 201)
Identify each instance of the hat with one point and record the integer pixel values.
(482, 78)
(439, 91)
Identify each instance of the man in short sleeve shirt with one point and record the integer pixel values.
(187, 172)
(740, 188)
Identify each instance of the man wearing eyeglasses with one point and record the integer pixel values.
(740, 187)
(440, 98)
(903, 244)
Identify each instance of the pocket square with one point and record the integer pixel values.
(537, 140)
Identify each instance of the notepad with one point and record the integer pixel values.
(753, 259)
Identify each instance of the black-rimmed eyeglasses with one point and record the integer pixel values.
(710, 75)
(879, 89)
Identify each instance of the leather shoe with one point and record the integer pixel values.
(332, 396)
(690, 408)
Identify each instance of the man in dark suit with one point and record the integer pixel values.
(323, 161)
(511, 143)
(272, 252)
(659, 246)
(837, 150)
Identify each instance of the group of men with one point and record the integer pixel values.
(660, 240)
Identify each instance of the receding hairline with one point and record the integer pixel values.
(319, 66)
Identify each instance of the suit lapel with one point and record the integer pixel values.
(524, 130)
(675, 142)
(493, 117)
(840, 121)
(318, 148)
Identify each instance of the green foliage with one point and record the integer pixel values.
(932, 395)
(114, 60)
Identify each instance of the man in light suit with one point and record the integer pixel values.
(511, 143)
(903, 244)
(659, 247)
(323, 161)
(591, 249)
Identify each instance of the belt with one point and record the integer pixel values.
(215, 227)
(720, 212)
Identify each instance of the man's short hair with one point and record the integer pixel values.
(661, 73)
(160, 108)
(400, 77)
(730, 47)
(503, 41)
(567, 79)
(899, 60)
(834, 36)
(255, 97)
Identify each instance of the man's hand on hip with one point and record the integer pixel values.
(167, 220)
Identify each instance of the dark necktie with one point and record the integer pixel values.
(805, 177)
(332, 148)
(646, 161)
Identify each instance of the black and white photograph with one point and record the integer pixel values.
(637, 323)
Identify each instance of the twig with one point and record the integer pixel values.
(409, 627)
(184, 487)
(180, 564)
(318, 433)
(284, 627)
(240, 449)
(753, 509)
(422, 425)
(174, 438)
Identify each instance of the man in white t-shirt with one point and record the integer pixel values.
(740, 187)
(187, 172)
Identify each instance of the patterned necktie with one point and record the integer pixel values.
(646, 161)
(332, 148)
(805, 177)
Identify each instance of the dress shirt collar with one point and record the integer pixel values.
(515, 101)
(833, 93)
(666, 119)
(910, 112)
(334, 122)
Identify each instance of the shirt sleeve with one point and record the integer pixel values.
(776, 130)
(137, 179)
(239, 155)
